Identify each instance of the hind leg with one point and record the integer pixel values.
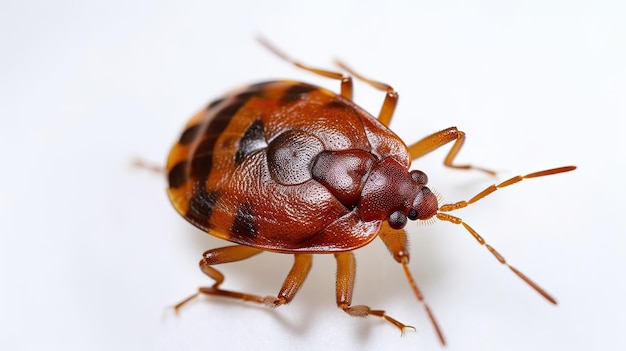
(294, 280)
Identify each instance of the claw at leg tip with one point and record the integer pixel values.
(405, 328)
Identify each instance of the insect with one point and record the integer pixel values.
(292, 168)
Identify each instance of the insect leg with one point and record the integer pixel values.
(439, 139)
(148, 166)
(292, 283)
(346, 269)
(396, 241)
(346, 80)
(391, 99)
(217, 256)
(294, 280)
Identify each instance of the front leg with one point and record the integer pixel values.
(439, 139)
(397, 243)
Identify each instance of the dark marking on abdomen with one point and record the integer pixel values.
(244, 222)
(177, 176)
(214, 103)
(297, 92)
(189, 134)
(202, 157)
(201, 205)
(338, 103)
(253, 139)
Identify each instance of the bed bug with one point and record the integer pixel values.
(292, 168)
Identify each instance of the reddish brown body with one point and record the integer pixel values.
(282, 166)
(289, 167)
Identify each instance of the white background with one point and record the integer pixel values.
(92, 254)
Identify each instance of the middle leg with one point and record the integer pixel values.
(346, 269)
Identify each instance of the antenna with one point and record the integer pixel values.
(441, 215)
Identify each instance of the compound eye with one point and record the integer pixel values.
(419, 177)
(412, 214)
(397, 220)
